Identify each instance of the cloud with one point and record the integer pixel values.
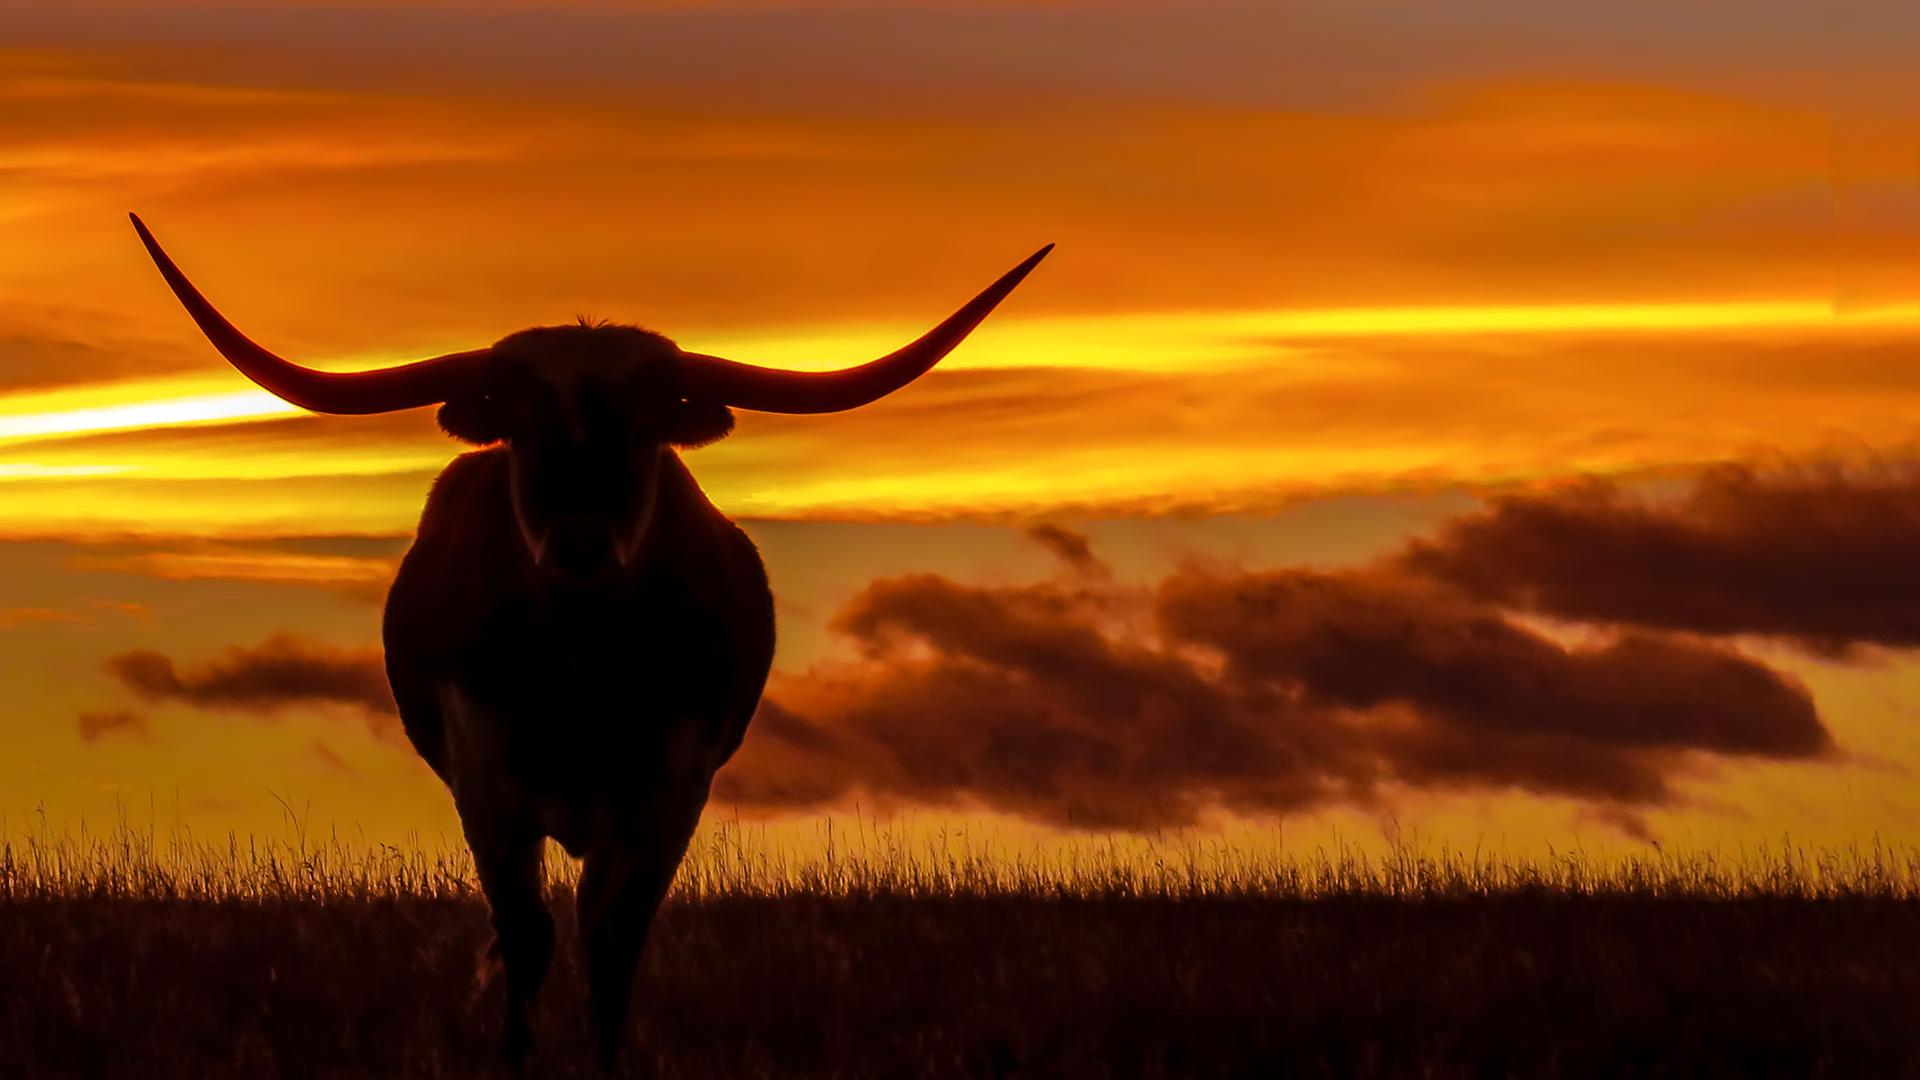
(93, 726)
(1526, 710)
(47, 358)
(361, 577)
(1069, 547)
(1822, 556)
(361, 567)
(281, 672)
(12, 618)
(21, 616)
(1256, 692)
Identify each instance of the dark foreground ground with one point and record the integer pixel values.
(1530, 986)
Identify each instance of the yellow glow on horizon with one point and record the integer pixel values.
(27, 470)
(1099, 476)
(283, 465)
(1575, 318)
(1164, 341)
(1186, 340)
(128, 406)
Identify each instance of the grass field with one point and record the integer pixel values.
(878, 958)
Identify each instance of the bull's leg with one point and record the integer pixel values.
(509, 863)
(621, 887)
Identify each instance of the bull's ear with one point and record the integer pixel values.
(694, 424)
(478, 419)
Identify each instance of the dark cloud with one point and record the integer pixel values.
(1492, 701)
(280, 673)
(93, 726)
(1254, 692)
(1822, 556)
(1069, 547)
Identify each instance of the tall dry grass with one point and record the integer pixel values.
(867, 858)
(878, 949)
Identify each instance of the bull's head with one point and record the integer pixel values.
(585, 412)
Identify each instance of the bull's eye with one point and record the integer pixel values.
(478, 419)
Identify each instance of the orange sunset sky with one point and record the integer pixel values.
(1494, 421)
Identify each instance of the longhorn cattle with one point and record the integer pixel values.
(578, 638)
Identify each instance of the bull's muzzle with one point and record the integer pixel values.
(580, 549)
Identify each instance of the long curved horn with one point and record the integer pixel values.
(425, 382)
(775, 390)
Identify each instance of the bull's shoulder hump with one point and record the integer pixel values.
(458, 539)
(466, 479)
